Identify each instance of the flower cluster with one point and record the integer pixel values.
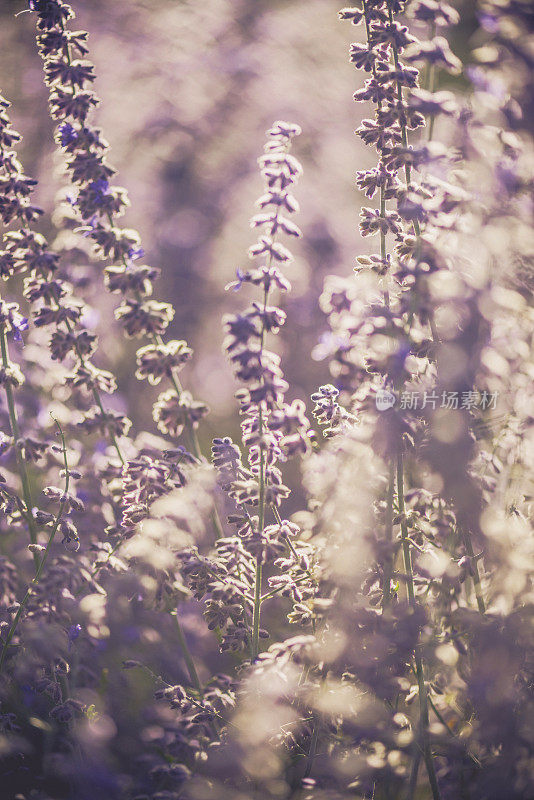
(270, 426)
(98, 205)
(272, 430)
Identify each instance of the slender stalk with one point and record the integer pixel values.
(388, 566)
(423, 696)
(382, 214)
(388, 563)
(382, 190)
(15, 432)
(414, 772)
(41, 563)
(313, 748)
(257, 609)
(257, 588)
(188, 658)
(261, 513)
(404, 134)
(431, 85)
(255, 643)
(383, 239)
(466, 536)
(407, 168)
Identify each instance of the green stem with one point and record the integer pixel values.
(261, 515)
(382, 191)
(388, 563)
(313, 748)
(414, 774)
(193, 674)
(466, 536)
(407, 168)
(404, 135)
(383, 238)
(423, 696)
(404, 530)
(257, 610)
(188, 658)
(382, 214)
(439, 716)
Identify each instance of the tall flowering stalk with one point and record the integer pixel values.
(271, 428)
(399, 109)
(99, 204)
(15, 205)
(55, 308)
(386, 346)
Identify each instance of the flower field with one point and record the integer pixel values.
(266, 414)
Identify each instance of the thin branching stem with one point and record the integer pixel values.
(188, 658)
(388, 562)
(423, 695)
(407, 168)
(313, 747)
(414, 773)
(466, 536)
(382, 188)
(261, 510)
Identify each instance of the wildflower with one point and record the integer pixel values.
(172, 413)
